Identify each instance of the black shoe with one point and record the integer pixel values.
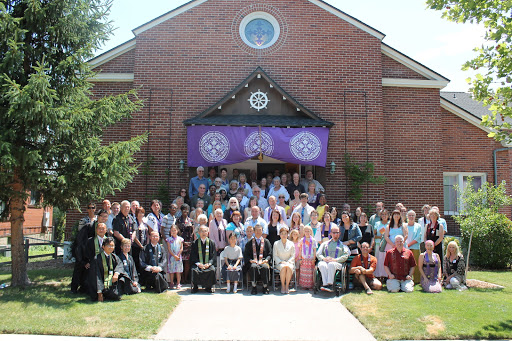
(74, 291)
(208, 290)
(329, 288)
(254, 291)
(266, 291)
(195, 289)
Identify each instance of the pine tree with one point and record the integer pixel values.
(51, 135)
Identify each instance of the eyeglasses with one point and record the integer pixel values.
(335, 233)
(90, 208)
(281, 197)
(183, 191)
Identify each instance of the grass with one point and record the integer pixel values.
(471, 314)
(35, 251)
(49, 308)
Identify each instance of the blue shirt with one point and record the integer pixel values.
(193, 187)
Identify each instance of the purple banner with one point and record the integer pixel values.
(221, 145)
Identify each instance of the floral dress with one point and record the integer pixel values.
(187, 233)
(307, 264)
(173, 265)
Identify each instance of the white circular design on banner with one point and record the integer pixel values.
(253, 142)
(214, 146)
(305, 146)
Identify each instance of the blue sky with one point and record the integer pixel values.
(409, 27)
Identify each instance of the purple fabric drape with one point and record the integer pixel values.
(222, 145)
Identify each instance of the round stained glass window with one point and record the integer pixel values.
(259, 30)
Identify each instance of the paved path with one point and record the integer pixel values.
(297, 316)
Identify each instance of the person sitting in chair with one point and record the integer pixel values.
(257, 255)
(152, 263)
(362, 267)
(331, 255)
(202, 256)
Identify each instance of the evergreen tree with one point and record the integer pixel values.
(51, 135)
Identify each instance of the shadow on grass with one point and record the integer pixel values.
(498, 330)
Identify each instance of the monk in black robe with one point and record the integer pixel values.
(152, 263)
(131, 277)
(257, 256)
(202, 257)
(105, 274)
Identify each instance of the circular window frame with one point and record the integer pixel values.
(259, 15)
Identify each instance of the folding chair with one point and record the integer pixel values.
(276, 276)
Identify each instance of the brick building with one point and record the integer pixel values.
(315, 66)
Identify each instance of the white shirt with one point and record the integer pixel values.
(253, 222)
(268, 211)
(306, 217)
(280, 191)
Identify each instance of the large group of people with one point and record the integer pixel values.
(233, 229)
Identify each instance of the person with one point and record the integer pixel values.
(253, 201)
(195, 182)
(165, 232)
(218, 232)
(231, 258)
(304, 209)
(123, 225)
(242, 178)
(215, 203)
(413, 241)
(296, 223)
(236, 227)
(257, 255)
(331, 255)
(403, 214)
(424, 221)
(202, 257)
(153, 263)
(107, 206)
(379, 231)
(133, 208)
(430, 269)
(243, 201)
(212, 190)
(379, 206)
(284, 180)
(262, 202)
(199, 209)
(272, 205)
(366, 232)
(434, 232)
(284, 259)
(130, 281)
(91, 249)
(278, 189)
(351, 234)
(179, 202)
(175, 262)
(141, 236)
(283, 204)
(307, 252)
(236, 174)
(454, 268)
(218, 183)
(396, 227)
(264, 188)
(233, 188)
(114, 211)
(186, 231)
(399, 265)
(295, 238)
(293, 202)
(155, 217)
(315, 224)
(212, 175)
(275, 224)
(184, 196)
(224, 197)
(256, 219)
(309, 178)
(224, 178)
(295, 185)
(202, 219)
(362, 267)
(322, 204)
(323, 233)
(312, 195)
(233, 206)
(90, 218)
(105, 273)
(201, 194)
(441, 220)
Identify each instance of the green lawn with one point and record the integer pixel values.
(473, 314)
(48, 307)
(35, 251)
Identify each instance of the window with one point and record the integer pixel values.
(451, 197)
(34, 198)
(2, 208)
(259, 30)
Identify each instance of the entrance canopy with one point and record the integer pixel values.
(220, 145)
(257, 118)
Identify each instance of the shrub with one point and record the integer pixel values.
(492, 239)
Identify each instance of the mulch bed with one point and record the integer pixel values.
(475, 283)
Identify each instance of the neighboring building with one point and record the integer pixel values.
(302, 83)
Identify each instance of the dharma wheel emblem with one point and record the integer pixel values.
(258, 100)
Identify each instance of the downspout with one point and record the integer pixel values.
(495, 164)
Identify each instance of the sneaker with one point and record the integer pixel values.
(329, 288)
(178, 287)
(350, 286)
(266, 291)
(324, 288)
(254, 291)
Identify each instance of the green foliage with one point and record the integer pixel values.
(163, 194)
(448, 239)
(493, 60)
(59, 223)
(490, 232)
(51, 137)
(359, 176)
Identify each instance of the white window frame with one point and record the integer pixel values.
(260, 15)
(460, 182)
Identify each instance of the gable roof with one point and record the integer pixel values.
(112, 53)
(309, 118)
(463, 105)
(320, 3)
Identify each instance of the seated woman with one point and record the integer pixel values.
(454, 268)
(323, 233)
(236, 227)
(105, 271)
(231, 259)
(307, 251)
(350, 233)
(284, 259)
(131, 284)
(430, 269)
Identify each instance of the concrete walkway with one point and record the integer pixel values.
(297, 316)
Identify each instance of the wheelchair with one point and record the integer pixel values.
(340, 280)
